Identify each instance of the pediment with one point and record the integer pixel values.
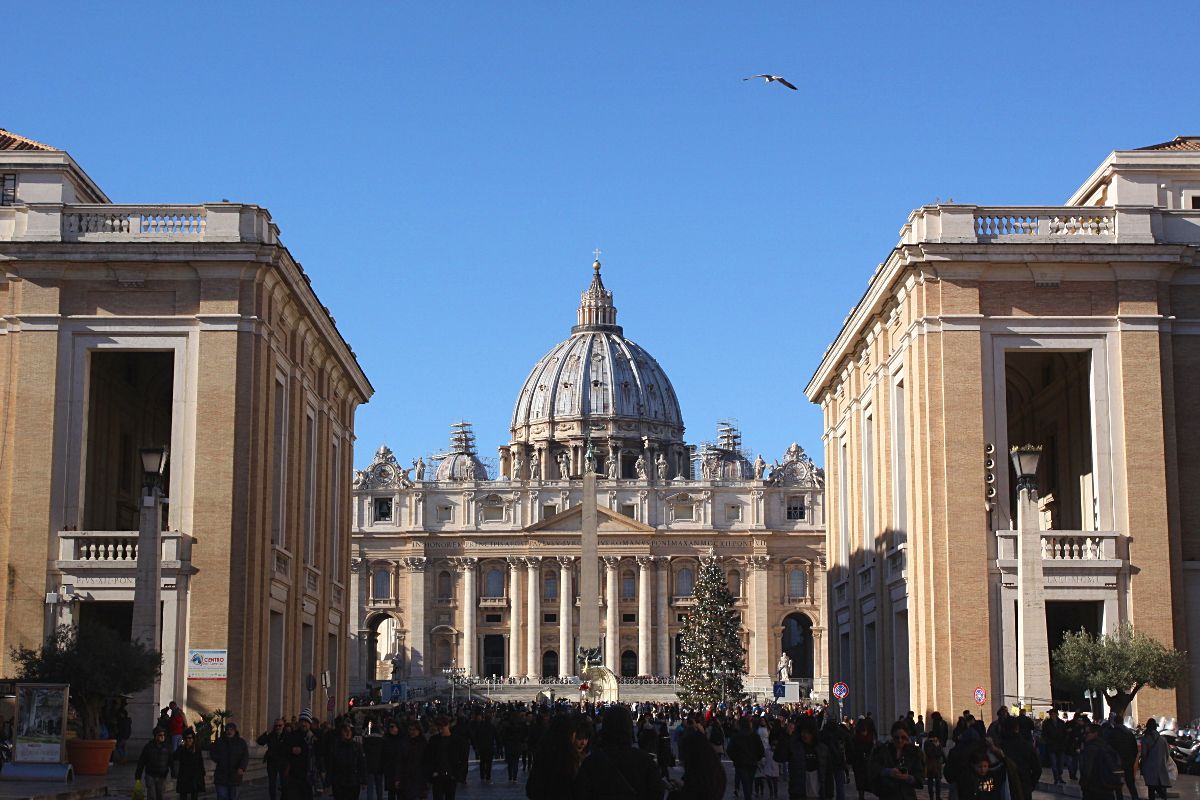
(571, 521)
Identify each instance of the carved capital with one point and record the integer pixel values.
(566, 561)
(755, 563)
(515, 562)
(663, 562)
(533, 562)
(612, 562)
(645, 562)
(415, 563)
(464, 563)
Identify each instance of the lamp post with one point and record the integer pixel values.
(147, 590)
(1033, 660)
(453, 674)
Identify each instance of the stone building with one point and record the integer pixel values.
(1073, 327)
(189, 326)
(456, 569)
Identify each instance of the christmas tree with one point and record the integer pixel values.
(711, 656)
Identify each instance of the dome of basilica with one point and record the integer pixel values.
(599, 377)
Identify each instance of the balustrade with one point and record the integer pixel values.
(138, 221)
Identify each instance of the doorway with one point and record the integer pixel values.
(550, 664)
(1070, 616)
(798, 645)
(493, 654)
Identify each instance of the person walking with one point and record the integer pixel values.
(809, 763)
(372, 749)
(154, 764)
(614, 768)
(176, 724)
(1156, 761)
(1054, 735)
(1099, 767)
(1125, 743)
(276, 756)
(187, 763)
(483, 739)
(442, 760)
(346, 766)
(392, 757)
(745, 751)
(896, 768)
(230, 755)
(300, 746)
(410, 770)
(935, 760)
(703, 776)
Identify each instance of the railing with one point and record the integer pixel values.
(1021, 224)
(106, 222)
(112, 548)
(992, 223)
(282, 563)
(312, 581)
(493, 602)
(1065, 546)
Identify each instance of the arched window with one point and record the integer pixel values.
(629, 664)
(550, 584)
(445, 586)
(628, 585)
(493, 583)
(381, 584)
(550, 664)
(796, 583)
(734, 580)
(684, 582)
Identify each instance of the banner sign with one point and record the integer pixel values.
(207, 665)
(41, 734)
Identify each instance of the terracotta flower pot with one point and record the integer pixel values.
(90, 756)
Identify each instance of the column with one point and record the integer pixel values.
(1033, 660)
(760, 651)
(645, 615)
(416, 616)
(515, 609)
(469, 602)
(533, 627)
(662, 612)
(566, 603)
(612, 629)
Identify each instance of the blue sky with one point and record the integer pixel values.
(444, 170)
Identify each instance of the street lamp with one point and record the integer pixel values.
(1025, 459)
(453, 674)
(147, 592)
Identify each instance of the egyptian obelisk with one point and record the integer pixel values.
(589, 565)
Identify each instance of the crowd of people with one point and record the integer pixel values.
(651, 751)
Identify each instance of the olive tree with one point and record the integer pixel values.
(1118, 665)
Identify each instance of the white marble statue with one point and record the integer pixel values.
(760, 466)
(564, 466)
(610, 466)
(660, 464)
(419, 469)
(639, 467)
(535, 468)
(784, 667)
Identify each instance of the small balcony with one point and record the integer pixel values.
(493, 602)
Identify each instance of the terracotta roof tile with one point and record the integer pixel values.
(15, 141)
(1178, 143)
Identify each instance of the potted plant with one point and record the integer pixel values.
(98, 665)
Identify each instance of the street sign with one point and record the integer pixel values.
(841, 690)
(980, 695)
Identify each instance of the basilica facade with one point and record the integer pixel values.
(458, 569)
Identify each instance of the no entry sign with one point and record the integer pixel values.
(840, 690)
(980, 695)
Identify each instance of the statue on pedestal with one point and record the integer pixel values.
(784, 667)
(661, 465)
(639, 466)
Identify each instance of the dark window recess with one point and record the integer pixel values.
(629, 618)
(681, 617)
(549, 617)
(1196, 202)
(491, 617)
(8, 189)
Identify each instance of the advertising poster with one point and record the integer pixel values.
(40, 735)
(207, 665)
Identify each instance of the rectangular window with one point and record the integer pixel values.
(445, 513)
(310, 490)
(549, 618)
(629, 510)
(383, 509)
(279, 484)
(681, 617)
(493, 513)
(8, 189)
(491, 618)
(549, 510)
(629, 618)
(899, 466)
(335, 504)
(868, 490)
(683, 512)
(843, 505)
(795, 507)
(733, 513)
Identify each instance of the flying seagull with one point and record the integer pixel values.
(772, 79)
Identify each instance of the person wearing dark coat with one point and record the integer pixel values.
(443, 759)
(1125, 742)
(865, 739)
(1054, 736)
(1100, 772)
(703, 775)
(346, 766)
(410, 769)
(483, 740)
(555, 762)
(372, 748)
(300, 746)
(1018, 748)
(984, 777)
(187, 762)
(897, 768)
(230, 756)
(810, 763)
(745, 751)
(391, 756)
(154, 764)
(276, 756)
(514, 735)
(614, 767)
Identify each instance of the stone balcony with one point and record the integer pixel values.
(960, 224)
(108, 559)
(1069, 558)
(209, 222)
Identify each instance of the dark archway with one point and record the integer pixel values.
(550, 664)
(493, 655)
(629, 664)
(798, 644)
